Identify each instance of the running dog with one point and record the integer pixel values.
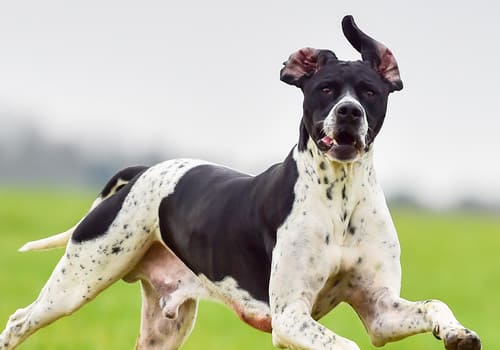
(281, 249)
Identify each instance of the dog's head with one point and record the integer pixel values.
(344, 101)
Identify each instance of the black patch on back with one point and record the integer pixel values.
(97, 222)
(223, 223)
(126, 174)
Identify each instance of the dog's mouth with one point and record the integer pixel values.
(344, 146)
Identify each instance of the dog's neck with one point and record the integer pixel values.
(320, 166)
(343, 184)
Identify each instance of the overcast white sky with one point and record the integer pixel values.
(200, 79)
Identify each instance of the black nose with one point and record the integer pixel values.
(348, 111)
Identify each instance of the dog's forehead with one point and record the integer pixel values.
(346, 73)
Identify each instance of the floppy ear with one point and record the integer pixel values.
(379, 56)
(303, 63)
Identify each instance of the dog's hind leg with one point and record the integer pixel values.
(158, 331)
(83, 272)
(169, 299)
(105, 246)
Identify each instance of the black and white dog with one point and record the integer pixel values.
(281, 249)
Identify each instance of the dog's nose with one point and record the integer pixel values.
(348, 111)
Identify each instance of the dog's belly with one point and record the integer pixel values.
(175, 284)
(254, 312)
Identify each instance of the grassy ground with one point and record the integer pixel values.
(453, 257)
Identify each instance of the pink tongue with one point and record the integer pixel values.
(327, 140)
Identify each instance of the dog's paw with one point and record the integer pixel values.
(461, 339)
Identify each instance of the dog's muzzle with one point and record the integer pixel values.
(345, 139)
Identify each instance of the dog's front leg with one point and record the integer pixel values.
(376, 273)
(389, 317)
(301, 264)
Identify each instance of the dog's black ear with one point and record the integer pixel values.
(303, 63)
(379, 56)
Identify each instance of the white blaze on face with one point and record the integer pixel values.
(331, 119)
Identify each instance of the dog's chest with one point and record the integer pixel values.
(342, 235)
(329, 219)
(331, 194)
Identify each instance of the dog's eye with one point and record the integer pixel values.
(370, 93)
(327, 90)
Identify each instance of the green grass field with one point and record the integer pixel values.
(452, 257)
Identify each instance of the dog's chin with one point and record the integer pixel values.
(343, 153)
(347, 150)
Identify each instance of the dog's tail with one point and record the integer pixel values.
(115, 184)
(60, 239)
(56, 241)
